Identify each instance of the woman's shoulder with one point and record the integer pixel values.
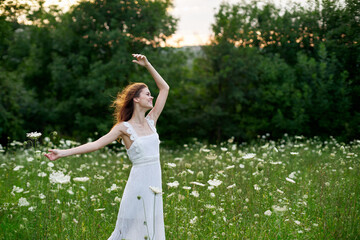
(121, 127)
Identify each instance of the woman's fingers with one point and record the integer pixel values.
(48, 156)
(52, 155)
(139, 56)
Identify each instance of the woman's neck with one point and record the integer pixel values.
(138, 116)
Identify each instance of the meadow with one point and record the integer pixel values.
(293, 188)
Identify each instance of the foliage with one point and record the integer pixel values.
(267, 70)
(275, 73)
(77, 61)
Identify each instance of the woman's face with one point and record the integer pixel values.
(145, 99)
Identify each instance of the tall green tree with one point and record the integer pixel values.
(273, 72)
(74, 63)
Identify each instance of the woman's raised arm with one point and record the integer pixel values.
(160, 82)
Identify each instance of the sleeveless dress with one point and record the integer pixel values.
(141, 209)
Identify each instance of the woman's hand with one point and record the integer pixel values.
(141, 60)
(54, 154)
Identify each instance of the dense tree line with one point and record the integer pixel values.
(266, 70)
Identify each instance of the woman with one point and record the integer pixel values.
(141, 209)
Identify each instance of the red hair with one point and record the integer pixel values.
(124, 104)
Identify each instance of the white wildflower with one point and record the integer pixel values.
(268, 213)
(292, 175)
(23, 202)
(211, 157)
(242, 166)
(278, 190)
(294, 153)
(209, 206)
(155, 190)
(70, 191)
(33, 135)
(42, 174)
(279, 209)
(204, 150)
(290, 180)
(195, 193)
(32, 208)
(16, 190)
(214, 182)
(197, 183)
(42, 196)
(50, 164)
(249, 156)
(224, 149)
(257, 187)
(30, 159)
(297, 222)
(231, 186)
(172, 165)
(230, 167)
(276, 163)
(17, 168)
(186, 187)
(59, 177)
(174, 184)
(99, 177)
(193, 221)
(117, 199)
(99, 209)
(112, 188)
(81, 179)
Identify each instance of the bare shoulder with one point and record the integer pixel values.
(120, 128)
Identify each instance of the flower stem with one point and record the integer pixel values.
(154, 218)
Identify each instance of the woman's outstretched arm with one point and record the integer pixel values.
(160, 82)
(114, 134)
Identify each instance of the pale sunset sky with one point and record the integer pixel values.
(195, 17)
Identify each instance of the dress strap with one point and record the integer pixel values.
(130, 130)
(151, 123)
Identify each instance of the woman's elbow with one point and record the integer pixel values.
(166, 88)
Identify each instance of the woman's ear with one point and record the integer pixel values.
(136, 100)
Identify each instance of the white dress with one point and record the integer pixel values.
(139, 217)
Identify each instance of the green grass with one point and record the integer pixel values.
(323, 203)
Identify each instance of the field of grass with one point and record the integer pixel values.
(294, 188)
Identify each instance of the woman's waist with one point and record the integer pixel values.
(145, 160)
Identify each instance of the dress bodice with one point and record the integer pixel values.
(144, 149)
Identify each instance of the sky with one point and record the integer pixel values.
(195, 18)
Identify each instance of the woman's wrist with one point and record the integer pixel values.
(148, 65)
